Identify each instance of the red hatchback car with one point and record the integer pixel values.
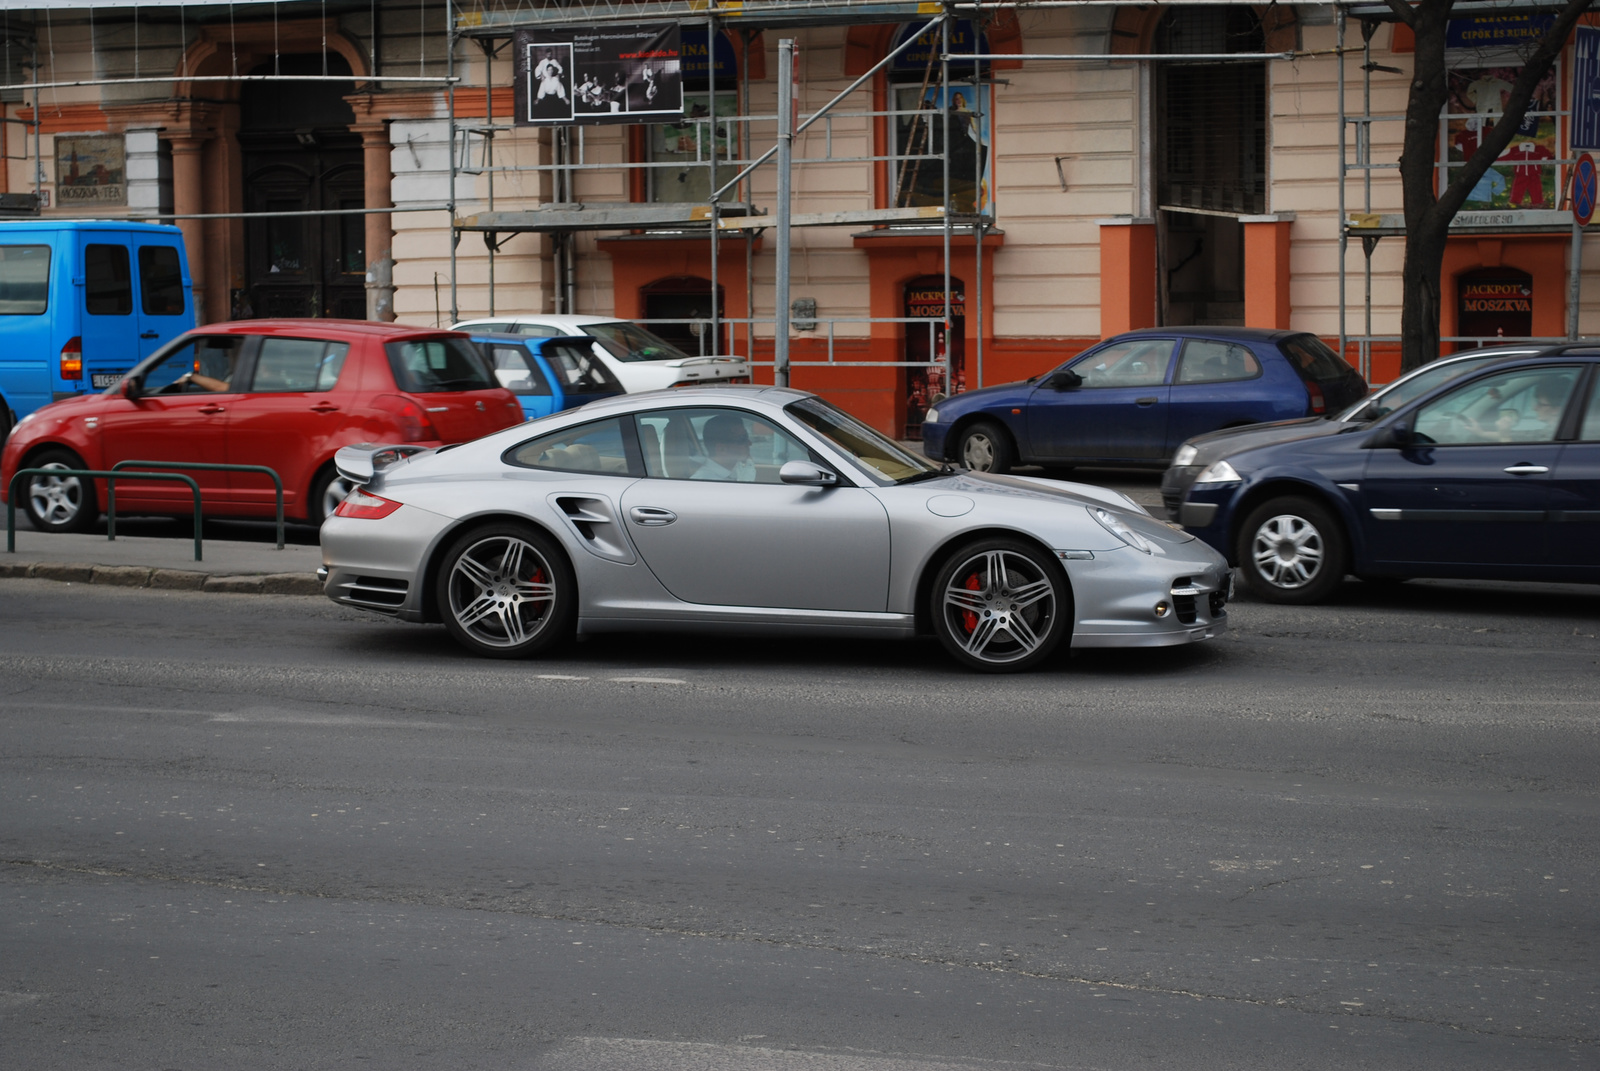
(282, 393)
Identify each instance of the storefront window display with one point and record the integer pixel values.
(1526, 174)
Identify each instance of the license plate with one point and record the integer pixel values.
(102, 380)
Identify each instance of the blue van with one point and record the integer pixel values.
(81, 303)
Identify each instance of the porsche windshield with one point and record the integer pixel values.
(882, 456)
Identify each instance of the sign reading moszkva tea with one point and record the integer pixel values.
(606, 74)
(91, 171)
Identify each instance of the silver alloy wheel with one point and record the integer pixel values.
(977, 451)
(56, 499)
(502, 591)
(999, 606)
(1287, 551)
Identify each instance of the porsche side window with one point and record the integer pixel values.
(1524, 406)
(1140, 362)
(715, 444)
(1208, 361)
(599, 447)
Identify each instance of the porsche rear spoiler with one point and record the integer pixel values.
(360, 463)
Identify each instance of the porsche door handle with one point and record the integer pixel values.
(651, 516)
(1145, 403)
(1527, 470)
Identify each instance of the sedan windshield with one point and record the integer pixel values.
(880, 455)
(1392, 397)
(630, 342)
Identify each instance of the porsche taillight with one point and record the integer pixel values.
(363, 505)
(72, 359)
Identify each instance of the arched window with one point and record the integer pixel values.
(917, 103)
(710, 90)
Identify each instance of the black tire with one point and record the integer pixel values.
(1293, 550)
(7, 422)
(59, 503)
(502, 612)
(985, 447)
(985, 591)
(327, 491)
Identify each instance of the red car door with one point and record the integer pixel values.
(288, 420)
(176, 418)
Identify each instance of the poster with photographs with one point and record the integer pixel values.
(1525, 174)
(608, 74)
(91, 171)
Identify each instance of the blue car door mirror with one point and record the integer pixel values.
(1066, 379)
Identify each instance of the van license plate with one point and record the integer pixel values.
(102, 380)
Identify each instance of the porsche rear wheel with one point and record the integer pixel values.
(507, 591)
(1000, 606)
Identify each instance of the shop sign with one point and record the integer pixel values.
(605, 74)
(1586, 88)
(929, 302)
(725, 66)
(964, 38)
(91, 171)
(1497, 31)
(1497, 297)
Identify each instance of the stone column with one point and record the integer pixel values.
(1266, 270)
(188, 198)
(375, 149)
(1127, 274)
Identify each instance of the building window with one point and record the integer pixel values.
(922, 131)
(710, 96)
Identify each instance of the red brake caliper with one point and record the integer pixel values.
(968, 618)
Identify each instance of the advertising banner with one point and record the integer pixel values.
(1525, 174)
(607, 74)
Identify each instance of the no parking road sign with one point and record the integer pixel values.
(1585, 189)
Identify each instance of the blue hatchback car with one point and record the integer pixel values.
(1493, 475)
(1134, 398)
(548, 375)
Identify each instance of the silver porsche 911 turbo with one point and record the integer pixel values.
(753, 510)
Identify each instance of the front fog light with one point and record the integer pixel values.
(1162, 609)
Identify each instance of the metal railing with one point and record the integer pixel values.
(97, 474)
(111, 495)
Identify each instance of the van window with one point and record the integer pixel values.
(24, 279)
(108, 282)
(298, 364)
(160, 280)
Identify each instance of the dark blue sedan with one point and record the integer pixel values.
(1494, 475)
(548, 375)
(1133, 399)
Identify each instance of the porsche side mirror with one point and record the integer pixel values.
(806, 474)
(1391, 437)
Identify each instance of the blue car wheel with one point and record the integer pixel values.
(985, 447)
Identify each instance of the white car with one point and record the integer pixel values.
(641, 360)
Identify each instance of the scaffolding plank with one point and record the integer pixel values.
(753, 13)
(1501, 221)
(609, 216)
(838, 219)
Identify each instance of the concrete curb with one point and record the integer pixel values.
(140, 576)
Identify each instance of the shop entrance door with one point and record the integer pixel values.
(926, 386)
(685, 298)
(299, 155)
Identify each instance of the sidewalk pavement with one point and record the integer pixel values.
(145, 562)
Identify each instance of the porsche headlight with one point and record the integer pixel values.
(931, 416)
(1185, 455)
(1119, 528)
(1218, 472)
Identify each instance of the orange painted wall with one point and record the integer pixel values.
(1266, 274)
(1127, 277)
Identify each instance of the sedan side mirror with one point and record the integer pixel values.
(807, 474)
(1392, 437)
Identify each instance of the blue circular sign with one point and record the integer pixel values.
(1585, 189)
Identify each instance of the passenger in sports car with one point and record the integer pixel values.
(728, 445)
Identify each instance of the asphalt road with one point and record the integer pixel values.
(255, 831)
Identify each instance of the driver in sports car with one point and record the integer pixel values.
(728, 446)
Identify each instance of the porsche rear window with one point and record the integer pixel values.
(434, 365)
